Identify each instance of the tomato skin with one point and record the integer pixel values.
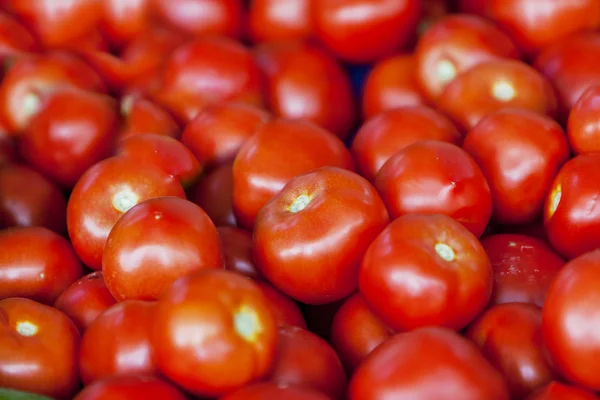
(278, 21)
(560, 391)
(214, 194)
(280, 150)
(382, 136)
(39, 349)
(15, 39)
(571, 219)
(452, 184)
(102, 196)
(285, 310)
(36, 263)
(129, 387)
(384, 27)
(123, 21)
(520, 153)
(143, 116)
(187, 239)
(427, 363)
(270, 391)
(326, 269)
(524, 268)
(231, 313)
(85, 300)
(441, 253)
(237, 251)
(356, 332)
(583, 126)
(39, 203)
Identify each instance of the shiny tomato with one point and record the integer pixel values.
(362, 31)
(104, 193)
(214, 194)
(130, 388)
(230, 314)
(270, 391)
(285, 310)
(427, 363)
(279, 20)
(123, 20)
(520, 153)
(142, 116)
(523, 268)
(15, 39)
(85, 300)
(426, 270)
(297, 241)
(280, 150)
(384, 135)
(451, 184)
(356, 332)
(237, 251)
(39, 349)
(560, 391)
(584, 122)
(185, 236)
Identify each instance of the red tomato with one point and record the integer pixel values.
(510, 337)
(122, 21)
(451, 183)
(569, 321)
(384, 135)
(237, 251)
(560, 391)
(214, 194)
(183, 234)
(356, 332)
(39, 349)
(73, 130)
(36, 263)
(571, 214)
(427, 363)
(130, 388)
(104, 193)
(297, 240)
(38, 203)
(523, 268)
(285, 310)
(426, 270)
(520, 153)
(217, 133)
(494, 85)
(306, 360)
(279, 20)
(143, 116)
(118, 342)
(85, 300)
(454, 44)
(584, 122)
(91, 41)
(391, 83)
(362, 31)
(15, 39)
(280, 150)
(270, 391)
(227, 341)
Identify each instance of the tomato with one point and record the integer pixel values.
(520, 153)
(510, 337)
(523, 268)
(560, 391)
(104, 193)
(381, 137)
(269, 391)
(280, 150)
(39, 203)
(130, 388)
(451, 184)
(427, 363)
(123, 21)
(183, 234)
(142, 116)
(356, 332)
(494, 85)
(362, 31)
(571, 216)
(72, 130)
(426, 270)
(85, 300)
(118, 342)
(279, 20)
(569, 321)
(8, 153)
(297, 241)
(237, 251)
(285, 310)
(15, 39)
(39, 349)
(454, 44)
(214, 194)
(583, 122)
(230, 315)
(306, 360)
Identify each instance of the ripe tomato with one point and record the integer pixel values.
(237, 251)
(104, 193)
(36, 263)
(184, 235)
(280, 150)
(520, 153)
(137, 387)
(214, 194)
(15, 39)
(39, 203)
(382, 136)
(39, 349)
(584, 123)
(279, 20)
(427, 363)
(124, 20)
(142, 116)
(451, 184)
(270, 391)
(560, 391)
(230, 315)
(285, 310)
(426, 270)
(297, 241)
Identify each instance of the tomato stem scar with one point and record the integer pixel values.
(26, 328)
(124, 200)
(247, 324)
(299, 204)
(503, 91)
(444, 251)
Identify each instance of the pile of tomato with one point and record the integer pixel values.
(300, 199)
